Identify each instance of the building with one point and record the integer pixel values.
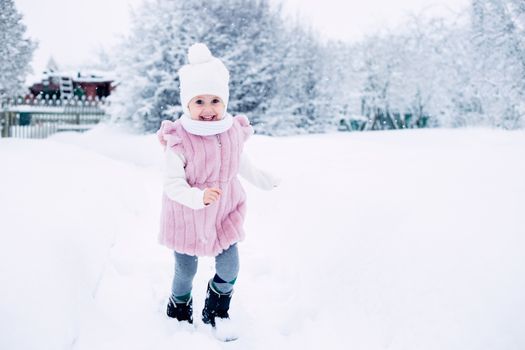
(67, 85)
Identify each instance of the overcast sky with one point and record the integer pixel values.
(72, 31)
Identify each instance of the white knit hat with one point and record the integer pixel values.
(204, 75)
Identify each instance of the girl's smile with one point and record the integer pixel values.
(207, 118)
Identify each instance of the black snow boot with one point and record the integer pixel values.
(181, 311)
(216, 305)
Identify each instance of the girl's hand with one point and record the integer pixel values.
(211, 195)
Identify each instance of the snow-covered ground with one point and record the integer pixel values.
(382, 240)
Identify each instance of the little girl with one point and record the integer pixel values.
(204, 203)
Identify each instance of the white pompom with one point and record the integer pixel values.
(199, 53)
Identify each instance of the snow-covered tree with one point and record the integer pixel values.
(16, 51)
(498, 28)
(298, 104)
(147, 63)
(425, 79)
(243, 33)
(380, 66)
(246, 35)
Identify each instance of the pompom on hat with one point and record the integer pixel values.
(204, 75)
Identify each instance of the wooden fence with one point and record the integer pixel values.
(39, 118)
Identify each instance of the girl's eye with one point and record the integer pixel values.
(216, 100)
(199, 102)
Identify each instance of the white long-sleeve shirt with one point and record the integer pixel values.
(177, 188)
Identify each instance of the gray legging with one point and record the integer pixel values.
(226, 268)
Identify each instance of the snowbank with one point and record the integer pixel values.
(382, 240)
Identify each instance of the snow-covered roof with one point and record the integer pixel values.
(92, 79)
(88, 77)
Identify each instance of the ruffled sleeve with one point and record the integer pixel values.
(244, 123)
(168, 138)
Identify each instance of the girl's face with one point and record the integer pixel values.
(206, 108)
